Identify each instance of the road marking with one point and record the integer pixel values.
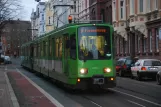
(140, 82)
(136, 97)
(53, 100)
(95, 104)
(136, 103)
(6, 67)
(1, 90)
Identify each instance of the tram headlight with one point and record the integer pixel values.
(107, 70)
(83, 71)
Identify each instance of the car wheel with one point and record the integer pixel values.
(139, 77)
(121, 73)
(158, 78)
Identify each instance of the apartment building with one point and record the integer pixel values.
(38, 20)
(34, 29)
(153, 27)
(133, 34)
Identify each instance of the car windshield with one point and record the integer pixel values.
(152, 63)
(128, 62)
(94, 43)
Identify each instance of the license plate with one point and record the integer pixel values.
(98, 81)
(153, 68)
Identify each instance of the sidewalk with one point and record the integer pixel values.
(7, 98)
(26, 94)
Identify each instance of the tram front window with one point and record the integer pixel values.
(94, 43)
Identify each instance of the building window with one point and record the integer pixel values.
(138, 44)
(132, 5)
(43, 29)
(129, 44)
(156, 5)
(121, 9)
(42, 16)
(145, 44)
(157, 39)
(141, 6)
(149, 5)
(150, 40)
(114, 10)
(119, 41)
(75, 6)
(49, 20)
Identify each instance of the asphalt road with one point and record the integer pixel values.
(128, 93)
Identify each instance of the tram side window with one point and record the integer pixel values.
(41, 45)
(50, 48)
(46, 48)
(44, 51)
(56, 47)
(73, 47)
(39, 50)
(66, 46)
(34, 51)
(60, 48)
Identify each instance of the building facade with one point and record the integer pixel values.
(101, 10)
(48, 17)
(40, 12)
(153, 27)
(134, 34)
(34, 29)
(83, 10)
(62, 9)
(15, 33)
(38, 20)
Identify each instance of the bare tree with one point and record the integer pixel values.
(9, 9)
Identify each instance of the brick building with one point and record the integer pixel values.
(101, 10)
(14, 34)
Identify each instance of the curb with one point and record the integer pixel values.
(12, 94)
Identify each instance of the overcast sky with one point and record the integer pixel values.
(28, 6)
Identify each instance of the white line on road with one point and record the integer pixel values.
(6, 67)
(136, 97)
(2, 91)
(140, 82)
(95, 104)
(53, 100)
(136, 103)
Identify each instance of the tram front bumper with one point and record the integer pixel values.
(104, 82)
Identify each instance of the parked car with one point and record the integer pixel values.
(145, 68)
(7, 60)
(158, 78)
(123, 66)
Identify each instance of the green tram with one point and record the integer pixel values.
(77, 55)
